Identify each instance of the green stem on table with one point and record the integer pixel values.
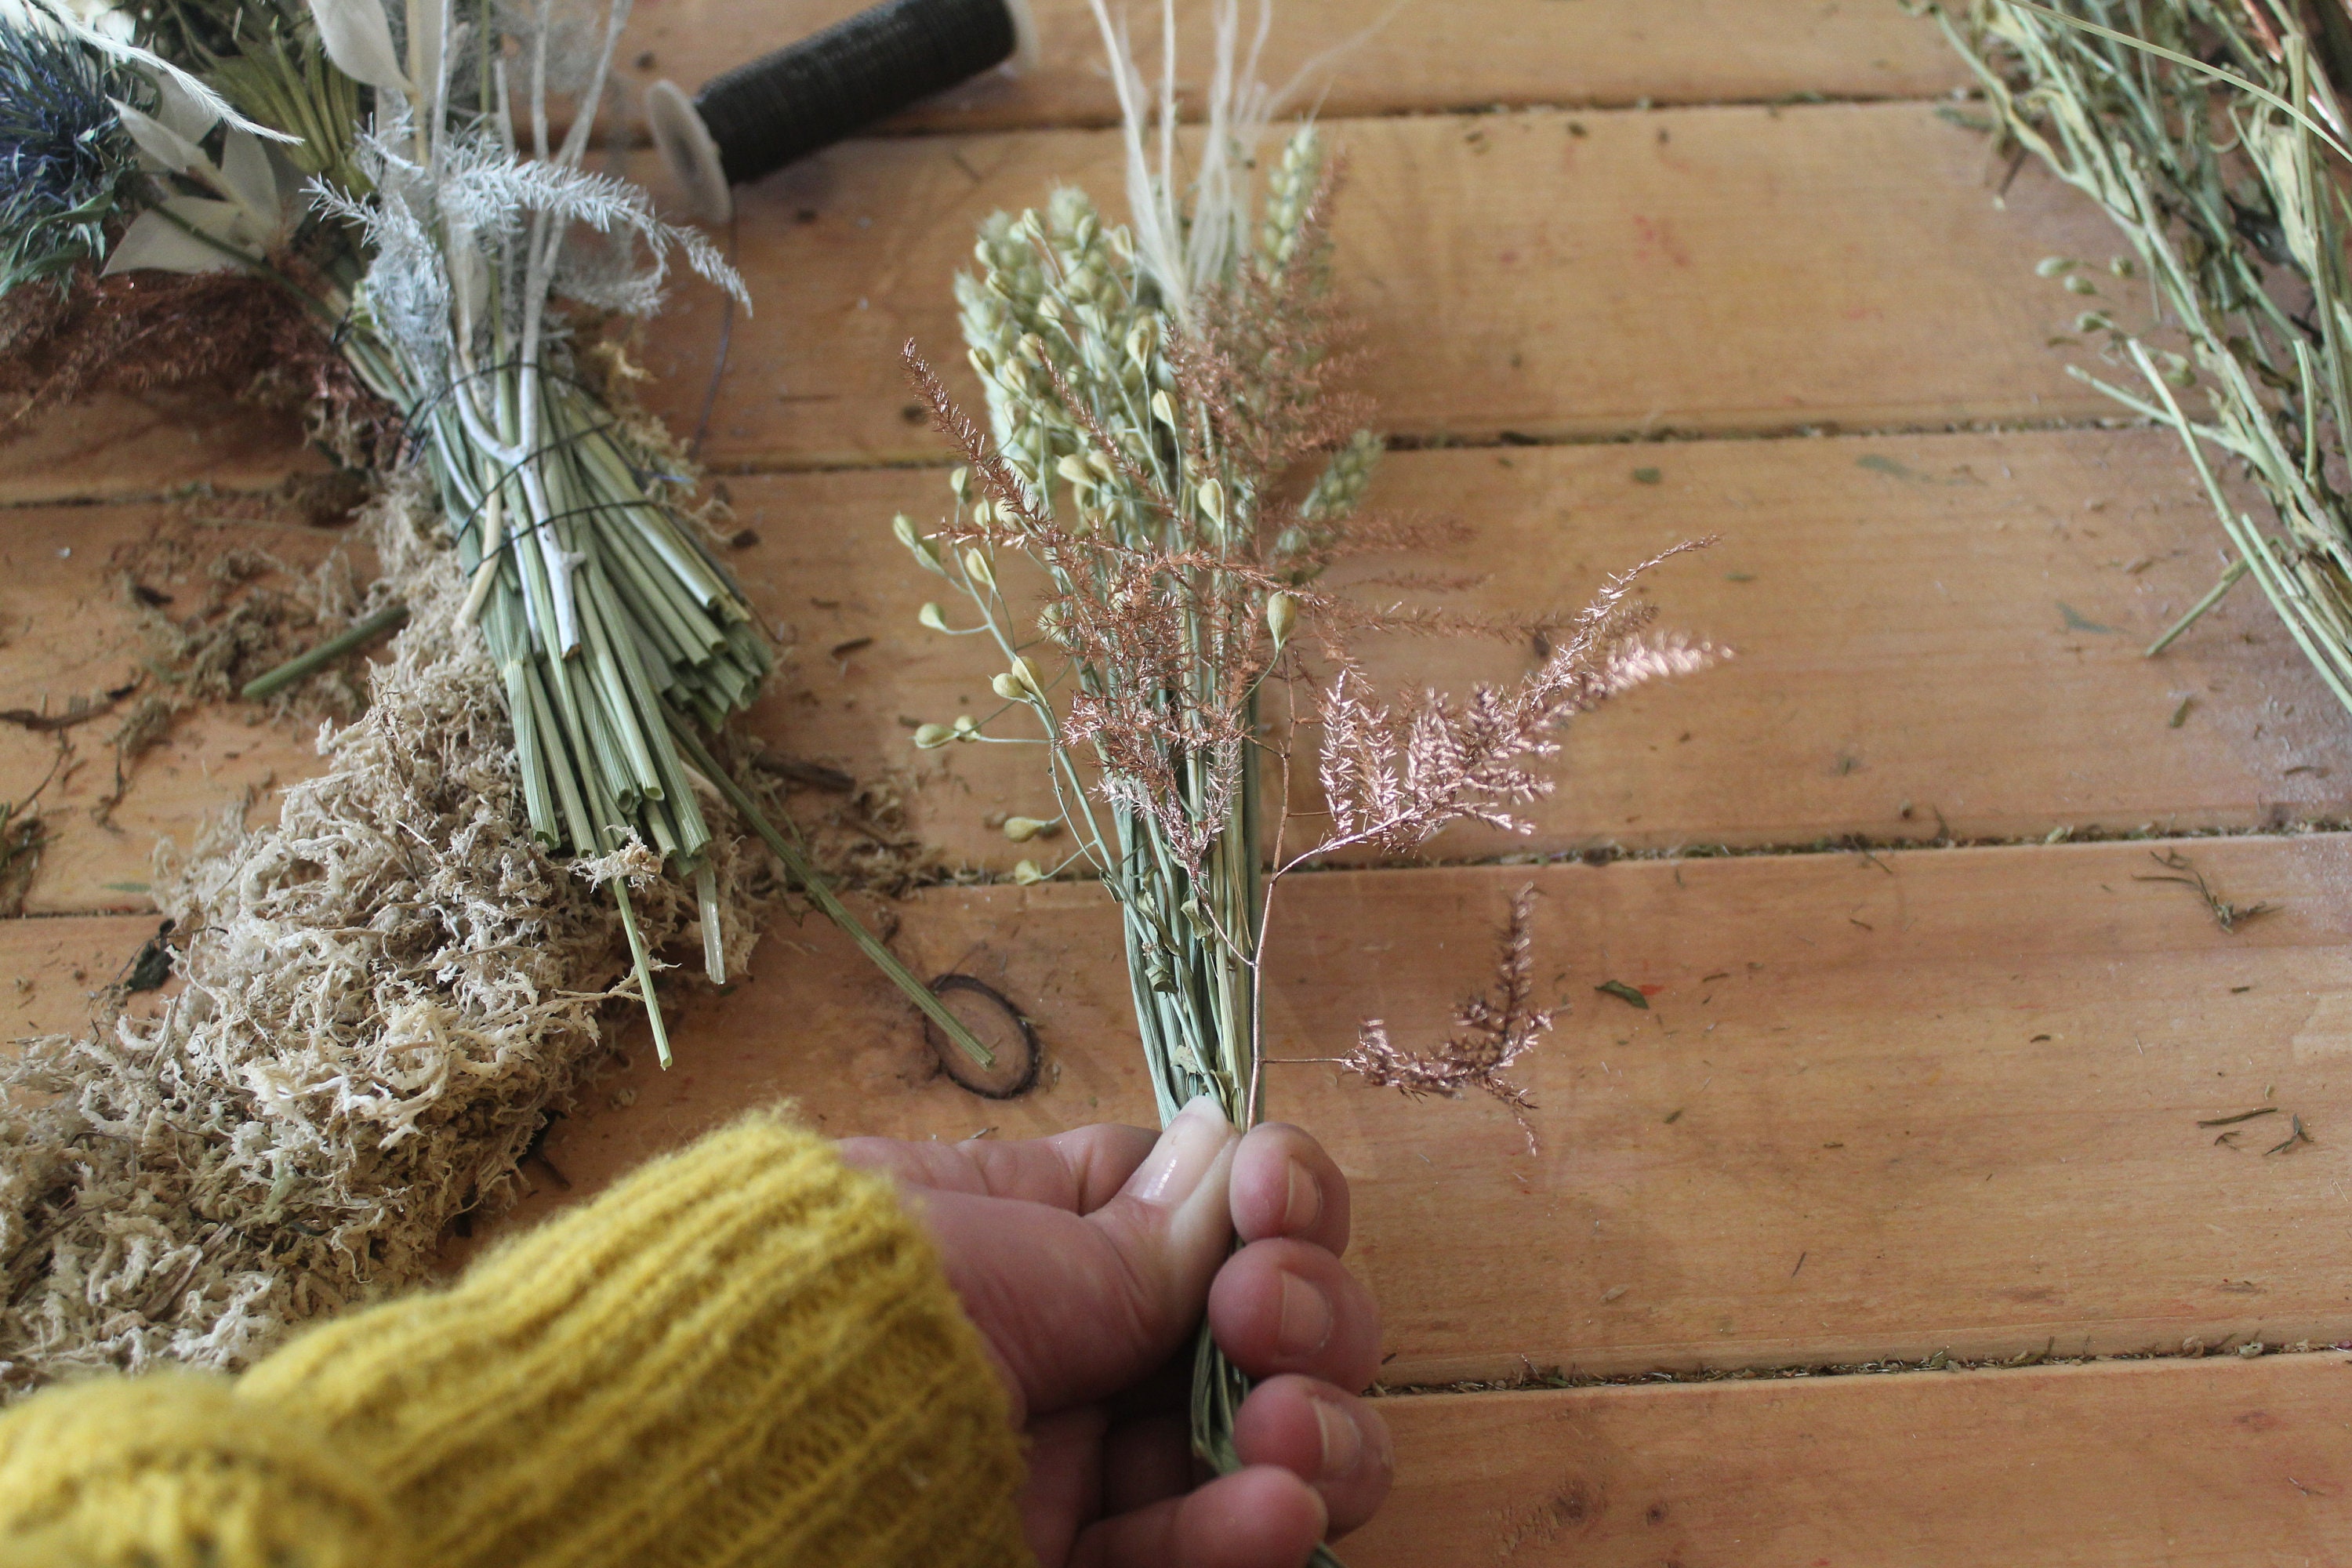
(2229, 581)
(326, 653)
(821, 895)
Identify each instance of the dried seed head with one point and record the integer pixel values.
(1163, 408)
(960, 481)
(2054, 266)
(1281, 614)
(2078, 284)
(930, 616)
(1027, 873)
(1005, 686)
(932, 737)
(1074, 468)
(1213, 501)
(966, 726)
(904, 528)
(976, 567)
(1020, 829)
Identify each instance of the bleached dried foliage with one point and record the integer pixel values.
(1496, 1029)
(384, 995)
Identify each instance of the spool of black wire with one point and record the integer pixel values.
(759, 117)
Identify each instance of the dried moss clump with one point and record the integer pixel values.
(386, 993)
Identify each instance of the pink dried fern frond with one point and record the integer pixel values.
(1495, 1029)
(1392, 780)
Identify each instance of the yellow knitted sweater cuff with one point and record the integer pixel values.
(746, 1353)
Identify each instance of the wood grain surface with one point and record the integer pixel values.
(1877, 1106)
(1934, 633)
(1545, 274)
(1424, 55)
(53, 970)
(70, 633)
(2197, 1464)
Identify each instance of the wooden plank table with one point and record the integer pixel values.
(1920, 1078)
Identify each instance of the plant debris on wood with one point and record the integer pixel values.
(1629, 994)
(2226, 915)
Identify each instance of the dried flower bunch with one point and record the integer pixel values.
(2214, 134)
(411, 196)
(1154, 392)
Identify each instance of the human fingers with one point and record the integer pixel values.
(1280, 1306)
(1328, 1437)
(1284, 1184)
(1261, 1517)
(1076, 1309)
(1065, 1491)
(1146, 1461)
(1077, 1171)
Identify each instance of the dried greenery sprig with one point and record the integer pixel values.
(2213, 133)
(1152, 392)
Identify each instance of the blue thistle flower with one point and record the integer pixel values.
(65, 159)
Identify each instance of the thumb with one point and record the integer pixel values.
(1077, 1307)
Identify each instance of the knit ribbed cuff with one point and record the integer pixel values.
(171, 1470)
(744, 1353)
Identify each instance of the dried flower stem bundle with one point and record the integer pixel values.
(2213, 133)
(1153, 390)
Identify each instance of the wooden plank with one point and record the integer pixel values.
(2197, 1464)
(1929, 628)
(1544, 273)
(68, 631)
(1878, 1107)
(119, 448)
(1461, 54)
(1900, 605)
(51, 970)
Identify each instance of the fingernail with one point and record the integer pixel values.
(1185, 1151)
(1306, 1326)
(1304, 1205)
(1343, 1440)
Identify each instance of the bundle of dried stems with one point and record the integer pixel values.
(2214, 134)
(1153, 390)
